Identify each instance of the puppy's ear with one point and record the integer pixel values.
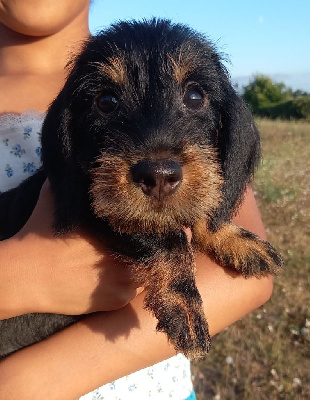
(239, 151)
(59, 164)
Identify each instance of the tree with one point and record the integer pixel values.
(262, 93)
(299, 93)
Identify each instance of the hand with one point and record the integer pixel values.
(69, 274)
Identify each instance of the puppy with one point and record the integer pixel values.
(147, 137)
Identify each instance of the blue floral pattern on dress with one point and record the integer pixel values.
(170, 379)
(20, 147)
(9, 171)
(27, 132)
(30, 168)
(17, 150)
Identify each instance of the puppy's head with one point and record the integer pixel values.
(148, 132)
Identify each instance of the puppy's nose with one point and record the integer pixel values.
(157, 178)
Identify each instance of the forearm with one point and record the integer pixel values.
(83, 357)
(107, 346)
(16, 282)
(28, 276)
(42, 273)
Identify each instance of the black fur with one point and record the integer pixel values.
(150, 121)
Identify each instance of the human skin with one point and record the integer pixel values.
(32, 67)
(106, 345)
(112, 344)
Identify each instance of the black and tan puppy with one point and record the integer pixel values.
(147, 137)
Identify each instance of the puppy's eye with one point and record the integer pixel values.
(193, 98)
(108, 103)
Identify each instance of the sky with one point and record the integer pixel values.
(270, 37)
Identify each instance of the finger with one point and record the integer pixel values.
(139, 290)
(188, 234)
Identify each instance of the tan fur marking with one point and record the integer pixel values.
(115, 70)
(167, 269)
(185, 62)
(180, 70)
(116, 197)
(232, 249)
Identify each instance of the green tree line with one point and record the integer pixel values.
(274, 100)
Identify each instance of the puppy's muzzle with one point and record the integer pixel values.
(157, 178)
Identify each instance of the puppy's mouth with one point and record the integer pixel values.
(153, 194)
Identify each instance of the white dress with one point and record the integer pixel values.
(20, 152)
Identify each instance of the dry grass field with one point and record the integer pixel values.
(266, 355)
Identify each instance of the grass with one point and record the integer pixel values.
(266, 355)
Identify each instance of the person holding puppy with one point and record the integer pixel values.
(73, 274)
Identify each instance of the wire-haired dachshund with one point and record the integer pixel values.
(147, 137)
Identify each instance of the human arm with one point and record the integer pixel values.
(106, 346)
(71, 274)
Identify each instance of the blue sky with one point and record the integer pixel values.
(259, 36)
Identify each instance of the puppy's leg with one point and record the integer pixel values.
(238, 249)
(165, 267)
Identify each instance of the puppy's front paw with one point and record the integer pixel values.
(256, 257)
(238, 249)
(186, 327)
